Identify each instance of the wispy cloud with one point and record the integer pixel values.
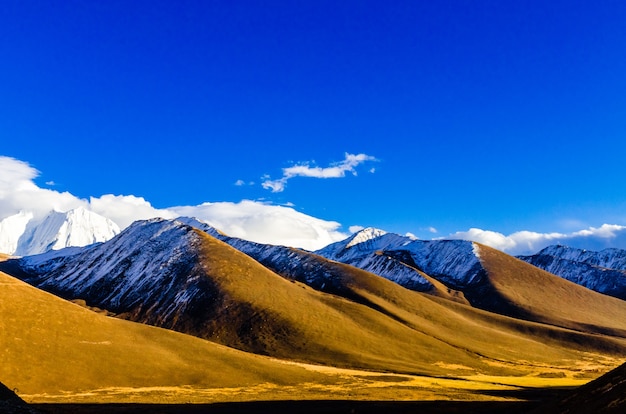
(241, 183)
(336, 170)
(354, 229)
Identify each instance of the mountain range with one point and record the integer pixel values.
(386, 254)
(603, 271)
(377, 302)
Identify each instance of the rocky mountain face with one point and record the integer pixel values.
(150, 270)
(603, 271)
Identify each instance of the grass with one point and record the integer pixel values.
(537, 295)
(372, 340)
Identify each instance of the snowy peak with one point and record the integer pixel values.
(364, 235)
(78, 227)
(365, 241)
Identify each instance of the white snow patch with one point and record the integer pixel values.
(476, 250)
(364, 235)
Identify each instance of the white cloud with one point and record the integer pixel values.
(337, 170)
(411, 236)
(262, 222)
(239, 183)
(123, 210)
(266, 223)
(354, 229)
(252, 220)
(529, 242)
(432, 230)
(19, 192)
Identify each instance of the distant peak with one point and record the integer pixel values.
(364, 235)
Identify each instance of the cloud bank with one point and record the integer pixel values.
(337, 170)
(255, 221)
(529, 242)
(263, 222)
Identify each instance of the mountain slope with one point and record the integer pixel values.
(490, 280)
(52, 346)
(522, 290)
(410, 263)
(603, 271)
(172, 275)
(10, 403)
(412, 307)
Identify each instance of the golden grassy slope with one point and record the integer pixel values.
(54, 351)
(48, 345)
(537, 295)
(387, 328)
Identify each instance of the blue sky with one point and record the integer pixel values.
(495, 115)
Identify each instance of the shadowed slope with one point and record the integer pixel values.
(10, 403)
(605, 395)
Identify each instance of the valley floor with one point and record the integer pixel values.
(358, 392)
(304, 407)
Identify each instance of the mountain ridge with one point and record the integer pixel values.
(603, 271)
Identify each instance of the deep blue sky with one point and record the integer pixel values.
(502, 115)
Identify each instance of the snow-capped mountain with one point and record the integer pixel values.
(403, 260)
(153, 262)
(603, 271)
(11, 229)
(22, 235)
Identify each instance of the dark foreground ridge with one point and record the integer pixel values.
(301, 407)
(10, 403)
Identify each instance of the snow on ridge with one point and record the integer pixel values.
(603, 271)
(476, 250)
(453, 262)
(149, 259)
(364, 235)
(200, 225)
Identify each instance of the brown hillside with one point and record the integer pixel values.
(53, 346)
(373, 323)
(522, 290)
